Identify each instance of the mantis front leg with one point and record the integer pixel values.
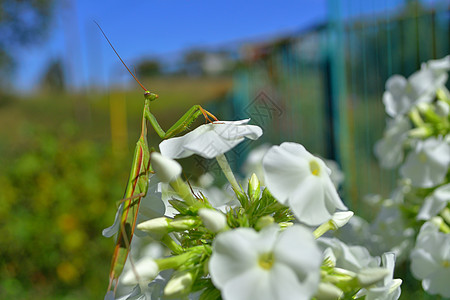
(182, 124)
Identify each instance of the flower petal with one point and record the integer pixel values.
(297, 248)
(232, 254)
(210, 140)
(439, 282)
(308, 202)
(283, 171)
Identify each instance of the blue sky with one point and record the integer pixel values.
(165, 27)
(148, 28)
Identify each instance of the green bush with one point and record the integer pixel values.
(56, 197)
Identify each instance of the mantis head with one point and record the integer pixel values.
(150, 96)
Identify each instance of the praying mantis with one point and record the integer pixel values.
(138, 180)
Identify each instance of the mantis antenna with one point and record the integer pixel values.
(104, 34)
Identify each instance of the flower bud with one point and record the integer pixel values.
(263, 222)
(443, 94)
(371, 276)
(442, 108)
(179, 285)
(394, 285)
(424, 107)
(328, 291)
(157, 225)
(212, 219)
(437, 221)
(181, 224)
(341, 218)
(254, 188)
(421, 132)
(167, 169)
(145, 270)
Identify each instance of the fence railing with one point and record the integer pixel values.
(323, 87)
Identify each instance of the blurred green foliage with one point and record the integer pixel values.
(56, 198)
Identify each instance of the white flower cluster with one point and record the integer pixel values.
(417, 140)
(266, 244)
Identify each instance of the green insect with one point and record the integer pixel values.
(137, 185)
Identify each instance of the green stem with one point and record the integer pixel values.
(171, 244)
(223, 163)
(322, 229)
(415, 117)
(173, 262)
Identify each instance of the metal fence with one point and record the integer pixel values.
(323, 86)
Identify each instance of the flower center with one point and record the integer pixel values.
(266, 260)
(446, 264)
(314, 167)
(423, 157)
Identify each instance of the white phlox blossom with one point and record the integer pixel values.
(210, 140)
(388, 288)
(389, 150)
(357, 260)
(351, 258)
(402, 94)
(253, 163)
(435, 202)
(268, 265)
(427, 164)
(302, 181)
(430, 259)
(143, 272)
(389, 233)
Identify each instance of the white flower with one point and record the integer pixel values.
(165, 168)
(402, 94)
(179, 284)
(389, 150)
(297, 178)
(210, 140)
(435, 202)
(144, 271)
(399, 96)
(351, 258)
(358, 260)
(268, 265)
(388, 288)
(253, 163)
(439, 69)
(430, 260)
(427, 164)
(388, 232)
(341, 218)
(220, 198)
(153, 291)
